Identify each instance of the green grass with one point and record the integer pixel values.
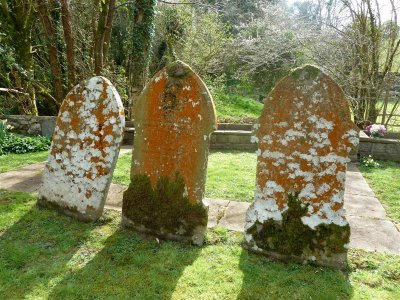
(10, 162)
(122, 171)
(230, 174)
(47, 256)
(385, 182)
(235, 108)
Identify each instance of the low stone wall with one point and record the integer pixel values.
(232, 139)
(31, 125)
(228, 136)
(379, 148)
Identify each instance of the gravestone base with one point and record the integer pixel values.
(91, 214)
(164, 209)
(326, 245)
(336, 260)
(291, 239)
(197, 237)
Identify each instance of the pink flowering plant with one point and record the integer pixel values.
(376, 130)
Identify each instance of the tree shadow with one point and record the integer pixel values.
(129, 267)
(264, 279)
(36, 249)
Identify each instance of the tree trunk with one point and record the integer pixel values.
(99, 38)
(55, 66)
(142, 37)
(19, 15)
(25, 59)
(108, 28)
(69, 42)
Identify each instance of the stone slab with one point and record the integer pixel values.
(370, 228)
(216, 210)
(47, 126)
(374, 235)
(26, 179)
(235, 216)
(125, 149)
(115, 195)
(363, 206)
(356, 184)
(352, 167)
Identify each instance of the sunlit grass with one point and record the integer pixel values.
(385, 181)
(230, 174)
(12, 161)
(48, 256)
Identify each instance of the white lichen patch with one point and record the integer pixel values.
(85, 148)
(253, 139)
(325, 215)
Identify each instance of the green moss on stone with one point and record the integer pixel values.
(90, 215)
(291, 237)
(309, 72)
(163, 209)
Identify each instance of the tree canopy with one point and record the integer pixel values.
(244, 47)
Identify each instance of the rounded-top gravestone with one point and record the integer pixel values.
(84, 151)
(174, 118)
(304, 137)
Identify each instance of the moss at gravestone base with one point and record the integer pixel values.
(291, 237)
(164, 209)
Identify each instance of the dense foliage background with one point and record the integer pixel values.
(240, 48)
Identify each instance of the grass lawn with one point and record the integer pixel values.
(230, 175)
(236, 109)
(14, 161)
(45, 255)
(385, 181)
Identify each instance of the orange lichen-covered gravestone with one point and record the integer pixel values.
(84, 151)
(174, 118)
(304, 137)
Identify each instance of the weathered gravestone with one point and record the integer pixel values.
(174, 118)
(304, 136)
(86, 141)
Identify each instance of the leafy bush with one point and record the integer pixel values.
(12, 143)
(3, 130)
(369, 162)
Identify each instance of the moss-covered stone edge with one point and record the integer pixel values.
(71, 211)
(310, 72)
(290, 237)
(164, 209)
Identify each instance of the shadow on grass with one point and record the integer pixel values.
(36, 249)
(264, 279)
(129, 267)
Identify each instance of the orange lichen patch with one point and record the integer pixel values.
(88, 194)
(86, 141)
(304, 136)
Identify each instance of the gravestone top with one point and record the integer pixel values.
(84, 150)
